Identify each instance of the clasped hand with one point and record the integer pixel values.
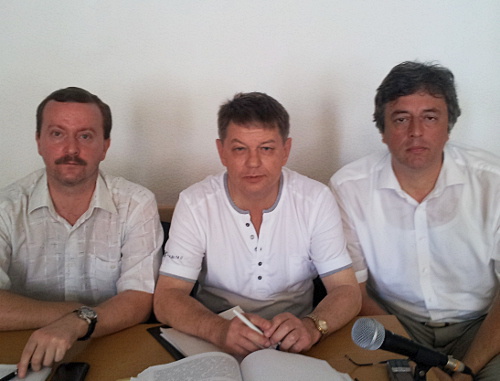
(284, 329)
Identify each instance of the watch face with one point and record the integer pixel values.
(322, 325)
(87, 313)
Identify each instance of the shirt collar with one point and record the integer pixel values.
(102, 196)
(40, 196)
(226, 188)
(450, 173)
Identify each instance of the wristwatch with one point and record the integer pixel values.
(90, 316)
(321, 325)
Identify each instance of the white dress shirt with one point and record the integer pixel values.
(439, 259)
(215, 242)
(114, 246)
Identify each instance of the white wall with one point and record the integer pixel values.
(165, 66)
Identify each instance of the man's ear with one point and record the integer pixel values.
(220, 150)
(107, 143)
(288, 147)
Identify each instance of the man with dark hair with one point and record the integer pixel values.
(79, 250)
(422, 221)
(256, 236)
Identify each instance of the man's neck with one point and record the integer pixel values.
(71, 202)
(255, 205)
(418, 183)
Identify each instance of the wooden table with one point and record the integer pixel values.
(127, 353)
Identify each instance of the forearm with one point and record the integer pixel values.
(486, 344)
(185, 313)
(20, 312)
(124, 310)
(369, 307)
(339, 306)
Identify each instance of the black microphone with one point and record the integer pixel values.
(370, 334)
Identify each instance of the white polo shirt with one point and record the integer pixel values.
(213, 241)
(114, 246)
(439, 259)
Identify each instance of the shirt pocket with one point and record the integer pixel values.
(103, 277)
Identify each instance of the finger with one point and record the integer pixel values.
(48, 357)
(251, 345)
(280, 322)
(26, 358)
(289, 340)
(245, 335)
(259, 321)
(37, 358)
(282, 332)
(60, 352)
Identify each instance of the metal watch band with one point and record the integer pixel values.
(320, 324)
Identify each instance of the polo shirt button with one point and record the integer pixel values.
(252, 236)
(259, 277)
(247, 224)
(260, 263)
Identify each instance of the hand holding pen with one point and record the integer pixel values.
(249, 324)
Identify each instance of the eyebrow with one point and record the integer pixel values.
(90, 128)
(265, 142)
(397, 112)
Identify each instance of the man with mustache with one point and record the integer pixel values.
(422, 222)
(79, 249)
(256, 235)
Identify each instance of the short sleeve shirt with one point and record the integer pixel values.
(211, 240)
(114, 246)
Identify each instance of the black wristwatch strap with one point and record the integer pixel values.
(90, 331)
(89, 315)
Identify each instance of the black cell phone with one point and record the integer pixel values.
(71, 371)
(399, 370)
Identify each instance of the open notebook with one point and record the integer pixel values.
(266, 364)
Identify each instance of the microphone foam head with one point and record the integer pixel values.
(368, 333)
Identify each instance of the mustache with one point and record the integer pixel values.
(71, 159)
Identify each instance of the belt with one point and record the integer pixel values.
(435, 324)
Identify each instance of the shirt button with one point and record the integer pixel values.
(255, 249)
(247, 224)
(260, 263)
(252, 236)
(259, 277)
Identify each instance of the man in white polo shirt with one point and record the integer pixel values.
(256, 236)
(422, 221)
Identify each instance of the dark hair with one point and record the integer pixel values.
(245, 108)
(78, 95)
(408, 78)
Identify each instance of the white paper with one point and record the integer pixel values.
(190, 345)
(270, 364)
(216, 366)
(41, 375)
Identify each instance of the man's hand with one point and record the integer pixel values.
(49, 344)
(292, 334)
(443, 376)
(242, 340)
